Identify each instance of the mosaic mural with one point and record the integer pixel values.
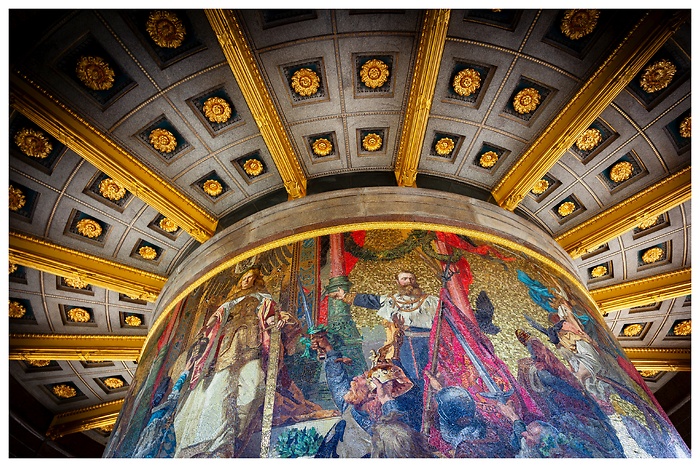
(389, 343)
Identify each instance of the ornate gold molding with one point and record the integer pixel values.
(45, 256)
(643, 291)
(89, 418)
(75, 347)
(423, 81)
(611, 223)
(95, 147)
(245, 70)
(665, 359)
(609, 80)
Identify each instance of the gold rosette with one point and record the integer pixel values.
(95, 73)
(147, 252)
(64, 391)
(305, 82)
(322, 147)
(167, 225)
(621, 171)
(89, 228)
(685, 127)
(488, 159)
(540, 186)
(163, 140)
(78, 315)
(579, 23)
(16, 199)
(372, 142)
(526, 100)
(112, 189)
(646, 223)
(633, 330)
(33, 143)
(599, 271)
(13, 267)
(682, 328)
(212, 187)
(444, 146)
(374, 73)
(649, 373)
(217, 110)
(38, 363)
(132, 321)
(566, 208)
(466, 82)
(166, 29)
(114, 383)
(17, 310)
(652, 255)
(76, 283)
(589, 139)
(657, 76)
(253, 167)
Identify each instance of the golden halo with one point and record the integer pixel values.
(488, 159)
(78, 315)
(33, 143)
(111, 189)
(166, 29)
(657, 76)
(212, 187)
(652, 255)
(579, 23)
(374, 73)
(621, 171)
(167, 225)
(147, 252)
(540, 186)
(17, 310)
(526, 100)
(566, 208)
(589, 139)
(253, 167)
(89, 228)
(372, 142)
(217, 110)
(322, 147)
(16, 199)
(444, 146)
(466, 82)
(95, 73)
(305, 82)
(163, 140)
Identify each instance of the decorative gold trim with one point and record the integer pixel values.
(36, 253)
(609, 80)
(89, 418)
(466, 82)
(84, 347)
(95, 73)
(425, 72)
(91, 144)
(245, 70)
(643, 291)
(374, 73)
(655, 359)
(217, 110)
(166, 29)
(611, 223)
(372, 142)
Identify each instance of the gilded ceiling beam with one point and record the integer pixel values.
(664, 359)
(36, 253)
(624, 216)
(642, 291)
(609, 80)
(247, 74)
(425, 74)
(89, 418)
(95, 147)
(75, 347)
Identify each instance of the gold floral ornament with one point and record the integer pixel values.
(95, 73)
(599, 271)
(167, 224)
(78, 315)
(64, 391)
(540, 186)
(466, 82)
(685, 127)
(33, 143)
(166, 29)
(17, 310)
(647, 223)
(589, 139)
(305, 82)
(114, 383)
(444, 146)
(147, 252)
(76, 283)
(652, 255)
(579, 23)
(649, 373)
(633, 330)
(38, 363)
(526, 100)
(13, 267)
(212, 187)
(682, 328)
(488, 159)
(253, 167)
(89, 228)
(566, 208)
(163, 140)
(111, 189)
(657, 76)
(132, 321)
(372, 142)
(322, 147)
(374, 73)
(217, 110)
(621, 171)
(16, 199)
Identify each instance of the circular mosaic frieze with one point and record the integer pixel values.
(167, 225)
(64, 391)
(33, 143)
(111, 189)
(621, 171)
(147, 252)
(579, 23)
(78, 315)
(132, 321)
(682, 328)
(488, 159)
(540, 187)
(114, 383)
(253, 167)
(212, 187)
(305, 82)
(17, 310)
(685, 127)
(374, 73)
(466, 82)
(95, 73)
(652, 255)
(526, 100)
(217, 110)
(322, 147)
(76, 283)
(372, 142)
(566, 208)
(166, 29)
(89, 228)
(633, 330)
(589, 139)
(38, 363)
(599, 271)
(444, 146)
(16, 199)
(657, 76)
(163, 140)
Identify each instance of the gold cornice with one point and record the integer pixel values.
(245, 71)
(616, 220)
(643, 291)
(75, 347)
(75, 421)
(664, 359)
(423, 82)
(609, 80)
(91, 144)
(36, 253)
